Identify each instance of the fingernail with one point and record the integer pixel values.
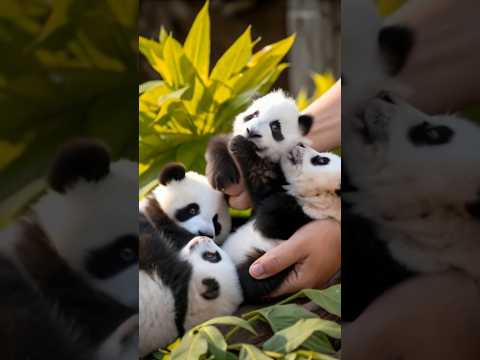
(257, 270)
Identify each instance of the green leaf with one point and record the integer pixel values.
(250, 352)
(216, 342)
(283, 316)
(294, 336)
(329, 299)
(192, 347)
(197, 43)
(149, 85)
(229, 320)
(235, 58)
(278, 49)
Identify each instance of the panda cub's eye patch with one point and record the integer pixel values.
(276, 129)
(213, 257)
(111, 259)
(187, 212)
(251, 116)
(427, 134)
(318, 160)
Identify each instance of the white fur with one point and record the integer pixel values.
(401, 182)
(273, 106)
(195, 189)
(90, 215)
(157, 313)
(157, 307)
(122, 344)
(244, 240)
(314, 186)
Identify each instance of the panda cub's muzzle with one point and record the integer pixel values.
(295, 156)
(373, 120)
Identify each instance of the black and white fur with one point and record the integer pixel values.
(422, 188)
(180, 289)
(184, 205)
(70, 265)
(269, 127)
(368, 267)
(311, 192)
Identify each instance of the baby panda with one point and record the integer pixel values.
(311, 192)
(184, 205)
(180, 289)
(368, 268)
(267, 129)
(419, 198)
(71, 262)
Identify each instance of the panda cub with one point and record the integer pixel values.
(268, 129)
(69, 267)
(180, 289)
(311, 192)
(424, 200)
(184, 205)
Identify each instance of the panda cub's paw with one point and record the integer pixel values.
(240, 146)
(223, 178)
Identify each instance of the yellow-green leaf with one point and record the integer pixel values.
(197, 43)
(250, 352)
(280, 48)
(235, 58)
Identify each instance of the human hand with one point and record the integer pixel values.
(315, 249)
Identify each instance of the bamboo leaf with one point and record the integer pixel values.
(235, 58)
(250, 352)
(197, 43)
(293, 337)
(192, 347)
(229, 320)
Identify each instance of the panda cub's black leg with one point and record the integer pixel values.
(257, 291)
(221, 170)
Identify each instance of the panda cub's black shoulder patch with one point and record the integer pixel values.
(173, 171)
(85, 159)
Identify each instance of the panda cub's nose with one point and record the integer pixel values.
(252, 134)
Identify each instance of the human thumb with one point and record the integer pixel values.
(275, 260)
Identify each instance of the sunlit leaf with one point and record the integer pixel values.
(197, 43)
(250, 352)
(235, 58)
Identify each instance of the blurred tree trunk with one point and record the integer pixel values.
(317, 46)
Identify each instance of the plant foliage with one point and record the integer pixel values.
(190, 103)
(67, 69)
(296, 333)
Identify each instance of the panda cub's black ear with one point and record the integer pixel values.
(396, 42)
(305, 123)
(85, 159)
(170, 172)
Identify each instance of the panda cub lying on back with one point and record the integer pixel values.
(424, 200)
(289, 183)
(69, 266)
(184, 204)
(185, 279)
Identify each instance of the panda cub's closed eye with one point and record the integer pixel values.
(427, 134)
